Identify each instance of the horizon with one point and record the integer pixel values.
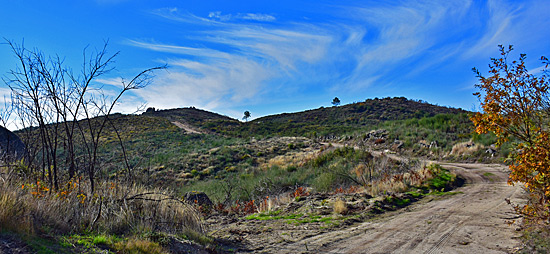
(287, 57)
(302, 110)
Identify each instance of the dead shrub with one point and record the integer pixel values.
(340, 206)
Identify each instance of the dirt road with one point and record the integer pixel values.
(472, 221)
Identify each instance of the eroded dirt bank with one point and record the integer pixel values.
(472, 221)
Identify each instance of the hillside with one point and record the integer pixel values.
(398, 108)
(189, 144)
(294, 168)
(329, 121)
(192, 116)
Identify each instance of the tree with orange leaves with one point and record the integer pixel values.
(515, 107)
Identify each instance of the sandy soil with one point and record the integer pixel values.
(473, 221)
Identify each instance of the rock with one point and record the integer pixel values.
(198, 197)
(424, 143)
(379, 141)
(397, 144)
(377, 134)
(491, 151)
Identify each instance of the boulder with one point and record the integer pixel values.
(198, 197)
(377, 134)
(424, 144)
(397, 144)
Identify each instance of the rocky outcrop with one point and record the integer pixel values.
(198, 197)
(11, 146)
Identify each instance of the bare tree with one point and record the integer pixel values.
(69, 112)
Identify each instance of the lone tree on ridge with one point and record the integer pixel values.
(336, 101)
(246, 115)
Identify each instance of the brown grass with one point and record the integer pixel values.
(138, 246)
(112, 208)
(465, 148)
(340, 206)
(400, 182)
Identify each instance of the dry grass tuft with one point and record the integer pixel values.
(401, 182)
(138, 246)
(340, 207)
(465, 148)
(13, 212)
(292, 158)
(112, 208)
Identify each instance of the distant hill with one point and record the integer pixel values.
(198, 118)
(316, 122)
(190, 115)
(324, 121)
(183, 145)
(398, 108)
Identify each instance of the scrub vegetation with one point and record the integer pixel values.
(165, 180)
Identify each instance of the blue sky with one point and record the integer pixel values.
(271, 57)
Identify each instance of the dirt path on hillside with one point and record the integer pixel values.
(188, 128)
(472, 221)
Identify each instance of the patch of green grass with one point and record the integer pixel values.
(274, 215)
(196, 237)
(92, 242)
(399, 202)
(442, 180)
(45, 246)
(415, 194)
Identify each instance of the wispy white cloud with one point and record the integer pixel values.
(497, 29)
(371, 44)
(116, 82)
(5, 94)
(181, 50)
(213, 17)
(212, 86)
(217, 15)
(259, 17)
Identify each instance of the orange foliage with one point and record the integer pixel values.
(350, 190)
(300, 192)
(515, 105)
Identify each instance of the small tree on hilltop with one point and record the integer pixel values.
(515, 106)
(246, 115)
(335, 101)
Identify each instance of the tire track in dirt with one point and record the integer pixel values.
(472, 221)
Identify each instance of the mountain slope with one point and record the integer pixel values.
(398, 108)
